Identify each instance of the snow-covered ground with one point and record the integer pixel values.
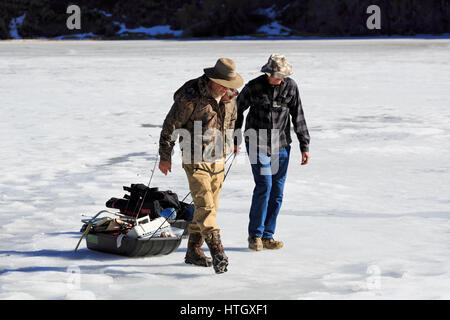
(368, 218)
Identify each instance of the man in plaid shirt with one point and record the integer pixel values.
(273, 99)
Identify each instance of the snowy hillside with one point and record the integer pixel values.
(188, 19)
(368, 218)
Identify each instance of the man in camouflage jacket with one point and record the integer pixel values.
(204, 111)
(194, 106)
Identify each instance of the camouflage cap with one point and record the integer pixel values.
(277, 66)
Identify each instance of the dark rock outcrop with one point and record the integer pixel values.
(104, 19)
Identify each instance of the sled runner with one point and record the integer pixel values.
(125, 246)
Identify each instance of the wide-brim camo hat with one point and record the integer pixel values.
(224, 73)
(277, 66)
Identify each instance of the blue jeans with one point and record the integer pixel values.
(268, 193)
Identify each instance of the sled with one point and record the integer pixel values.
(132, 247)
(129, 244)
(136, 247)
(150, 222)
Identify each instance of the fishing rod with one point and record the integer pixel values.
(146, 190)
(223, 177)
(90, 222)
(148, 185)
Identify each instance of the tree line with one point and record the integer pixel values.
(225, 18)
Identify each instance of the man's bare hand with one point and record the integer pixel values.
(165, 166)
(236, 149)
(305, 158)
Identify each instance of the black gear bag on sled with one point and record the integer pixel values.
(154, 202)
(144, 201)
(139, 229)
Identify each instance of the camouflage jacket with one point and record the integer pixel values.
(194, 106)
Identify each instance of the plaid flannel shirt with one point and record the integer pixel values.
(270, 107)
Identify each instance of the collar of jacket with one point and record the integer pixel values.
(203, 87)
(205, 91)
(265, 80)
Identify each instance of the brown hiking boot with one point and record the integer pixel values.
(194, 253)
(255, 243)
(272, 244)
(219, 258)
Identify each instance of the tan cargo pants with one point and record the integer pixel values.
(205, 183)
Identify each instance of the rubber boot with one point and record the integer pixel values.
(194, 253)
(219, 258)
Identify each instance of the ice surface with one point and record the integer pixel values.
(368, 218)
